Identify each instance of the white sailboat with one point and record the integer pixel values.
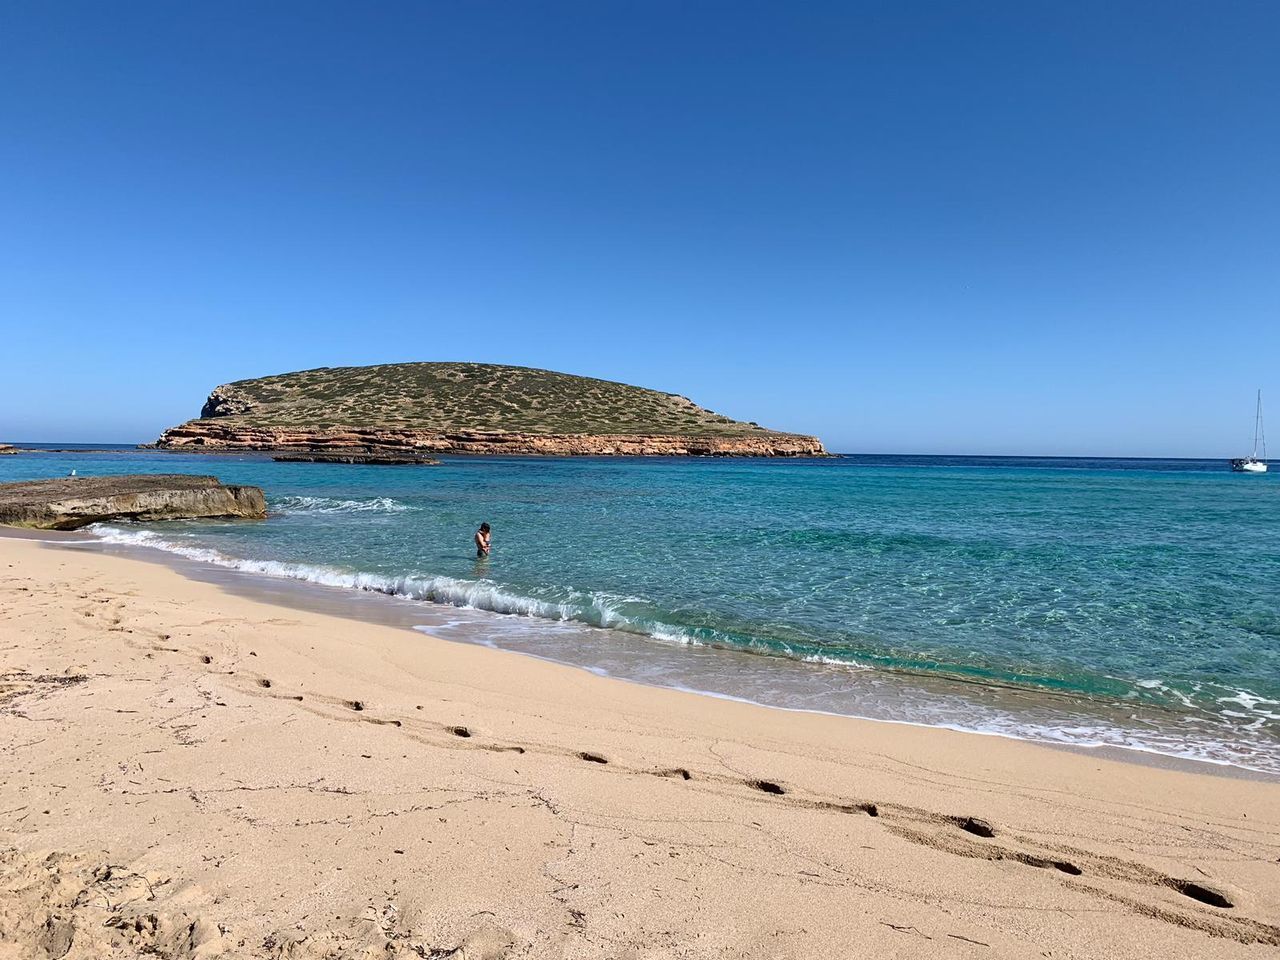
(1252, 463)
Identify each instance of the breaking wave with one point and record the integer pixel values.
(593, 609)
(600, 610)
(333, 505)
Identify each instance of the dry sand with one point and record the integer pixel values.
(190, 773)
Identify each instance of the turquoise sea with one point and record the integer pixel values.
(1131, 603)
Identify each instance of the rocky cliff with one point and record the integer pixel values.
(212, 435)
(72, 502)
(427, 408)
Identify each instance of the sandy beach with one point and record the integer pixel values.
(193, 773)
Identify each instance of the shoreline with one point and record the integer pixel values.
(369, 605)
(289, 783)
(1012, 458)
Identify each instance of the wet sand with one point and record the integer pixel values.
(199, 773)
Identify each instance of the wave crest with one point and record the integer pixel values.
(597, 610)
(334, 505)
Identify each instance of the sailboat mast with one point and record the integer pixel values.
(1259, 431)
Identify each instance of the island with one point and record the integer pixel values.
(470, 408)
(68, 503)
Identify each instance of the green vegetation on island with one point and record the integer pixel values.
(453, 397)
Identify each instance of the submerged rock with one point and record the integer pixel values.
(72, 502)
(368, 459)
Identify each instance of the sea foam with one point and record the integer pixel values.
(599, 610)
(334, 505)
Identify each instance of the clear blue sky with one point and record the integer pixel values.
(1022, 227)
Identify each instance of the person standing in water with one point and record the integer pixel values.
(482, 541)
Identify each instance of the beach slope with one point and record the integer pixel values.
(192, 773)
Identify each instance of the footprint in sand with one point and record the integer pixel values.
(677, 772)
(1198, 891)
(974, 825)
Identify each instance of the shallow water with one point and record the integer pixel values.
(1132, 603)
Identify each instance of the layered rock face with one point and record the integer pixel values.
(215, 435)
(73, 502)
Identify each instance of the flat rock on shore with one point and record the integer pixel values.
(72, 502)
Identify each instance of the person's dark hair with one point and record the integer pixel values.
(484, 528)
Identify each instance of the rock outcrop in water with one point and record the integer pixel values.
(426, 408)
(72, 502)
(362, 459)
